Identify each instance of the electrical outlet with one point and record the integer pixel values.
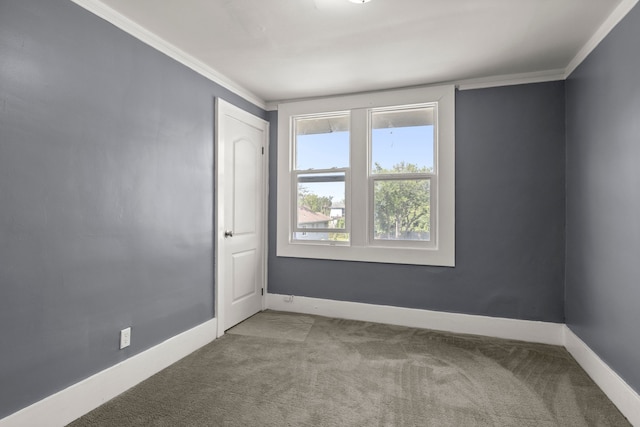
(125, 338)
(288, 298)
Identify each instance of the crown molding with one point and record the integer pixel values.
(110, 15)
(136, 30)
(479, 83)
(511, 79)
(469, 84)
(609, 24)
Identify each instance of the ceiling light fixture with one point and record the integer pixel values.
(359, 1)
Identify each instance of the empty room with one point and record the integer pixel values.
(319, 213)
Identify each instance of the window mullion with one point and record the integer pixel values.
(358, 196)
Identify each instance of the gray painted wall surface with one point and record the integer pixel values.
(106, 197)
(603, 200)
(510, 213)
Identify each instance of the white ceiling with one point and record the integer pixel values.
(289, 49)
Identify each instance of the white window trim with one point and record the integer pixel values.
(361, 248)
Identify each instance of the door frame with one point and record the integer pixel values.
(222, 108)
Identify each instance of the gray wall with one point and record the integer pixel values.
(603, 200)
(106, 197)
(510, 214)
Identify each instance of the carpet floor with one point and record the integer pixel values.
(283, 369)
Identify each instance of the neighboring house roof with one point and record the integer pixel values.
(307, 216)
(337, 205)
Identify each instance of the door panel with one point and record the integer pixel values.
(244, 275)
(245, 180)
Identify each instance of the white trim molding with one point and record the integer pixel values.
(61, 408)
(467, 84)
(617, 390)
(512, 79)
(138, 31)
(620, 393)
(225, 113)
(358, 187)
(609, 24)
(71, 403)
(523, 330)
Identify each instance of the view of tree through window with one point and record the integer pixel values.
(315, 211)
(402, 207)
(319, 204)
(402, 153)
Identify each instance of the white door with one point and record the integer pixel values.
(241, 187)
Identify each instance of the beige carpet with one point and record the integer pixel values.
(279, 369)
(269, 324)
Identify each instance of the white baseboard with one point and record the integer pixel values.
(524, 330)
(65, 406)
(620, 393)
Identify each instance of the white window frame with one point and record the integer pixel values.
(359, 184)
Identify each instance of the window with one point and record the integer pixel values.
(400, 172)
(368, 177)
(321, 150)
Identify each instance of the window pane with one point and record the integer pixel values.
(402, 209)
(322, 142)
(402, 141)
(321, 200)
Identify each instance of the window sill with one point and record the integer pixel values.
(444, 257)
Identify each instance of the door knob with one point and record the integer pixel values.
(228, 234)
